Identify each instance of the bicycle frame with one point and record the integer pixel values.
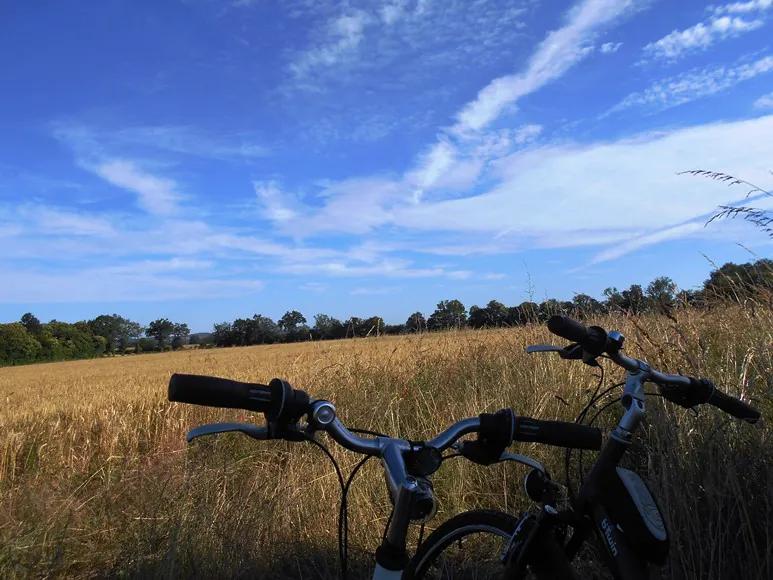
(622, 561)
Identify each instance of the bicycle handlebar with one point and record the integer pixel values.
(685, 391)
(282, 403)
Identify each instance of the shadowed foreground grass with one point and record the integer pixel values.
(96, 479)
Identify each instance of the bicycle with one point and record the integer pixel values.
(612, 501)
(407, 464)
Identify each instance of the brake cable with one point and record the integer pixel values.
(341, 551)
(578, 420)
(343, 511)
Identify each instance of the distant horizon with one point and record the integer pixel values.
(310, 317)
(204, 161)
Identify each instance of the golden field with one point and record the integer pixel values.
(96, 479)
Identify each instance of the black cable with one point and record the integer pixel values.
(341, 551)
(451, 456)
(596, 399)
(584, 412)
(421, 536)
(578, 420)
(343, 513)
(386, 527)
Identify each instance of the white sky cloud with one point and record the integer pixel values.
(54, 221)
(374, 291)
(156, 195)
(626, 184)
(622, 249)
(629, 190)
(274, 201)
(89, 140)
(701, 36)
(340, 39)
(610, 47)
(744, 7)
(557, 53)
(29, 286)
(764, 102)
(387, 268)
(695, 84)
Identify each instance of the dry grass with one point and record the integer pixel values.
(96, 479)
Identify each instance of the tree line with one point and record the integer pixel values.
(29, 340)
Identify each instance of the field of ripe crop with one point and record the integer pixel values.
(96, 479)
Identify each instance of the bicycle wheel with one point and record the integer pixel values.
(469, 546)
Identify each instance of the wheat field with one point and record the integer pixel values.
(96, 479)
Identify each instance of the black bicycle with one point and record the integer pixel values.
(612, 501)
(408, 465)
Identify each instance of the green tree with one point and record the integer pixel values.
(514, 316)
(222, 334)
(372, 326)
(477, 317)
(448, 314)
(548, 308)
(291, 320)
(614, 300)
(31, 323)
(17, 345)
(326, 327)
(529, 312)
(496, 313)
(263, 330)
(133, 332)
(160, 330)
(585, 306)
(180, 332)
(416, 322)
(661, 293)
(740, 281)
(633, 299)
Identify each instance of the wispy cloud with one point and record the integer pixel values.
(375, 291)
(764, 102)
(556, 54)
(637, 243)
(315, 287)
(701, 36)
(610, 47)
(158, 266)
(339, 41)
(139, 140)
(743, 7)
(156, 195)
(54, 221)
(274, 201)
(29, 286)
(387, 268)
(695, 84)
(189, 141)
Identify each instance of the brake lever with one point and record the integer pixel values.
(572, 352)
(256, 432)
(543, 348)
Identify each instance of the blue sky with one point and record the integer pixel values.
(210, 159)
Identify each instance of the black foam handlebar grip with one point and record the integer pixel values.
(558, 433)
(593, 339)
(568, 328)
(735, 407)
(217, 392)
